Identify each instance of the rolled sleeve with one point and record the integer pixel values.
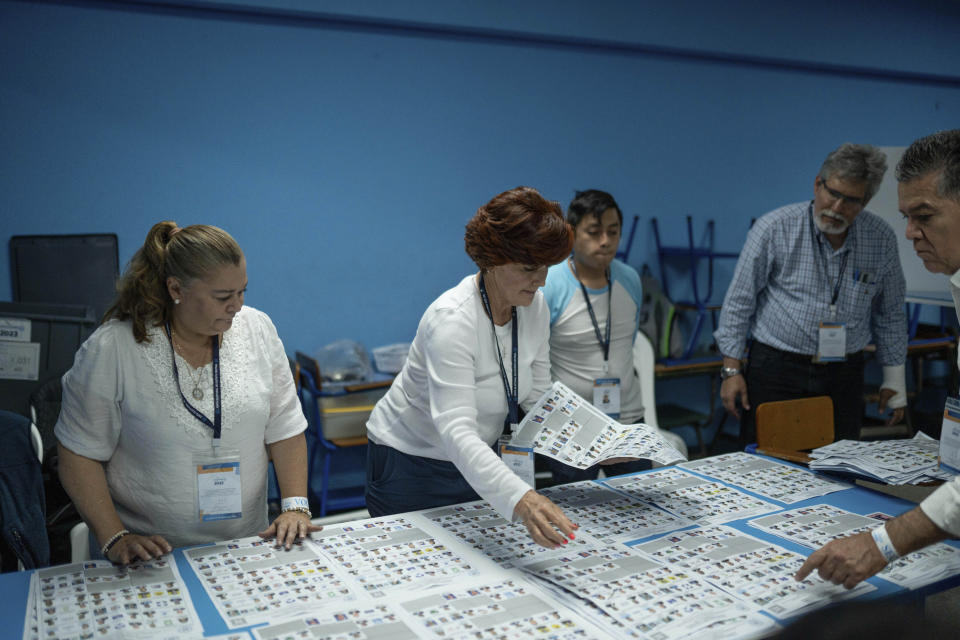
(943, 507)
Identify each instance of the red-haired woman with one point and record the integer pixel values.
(480, 351)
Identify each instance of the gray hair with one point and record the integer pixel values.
(936, 152)
(857, 163)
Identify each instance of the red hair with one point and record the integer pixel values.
(518, 226)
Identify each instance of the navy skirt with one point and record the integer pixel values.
(399, 482)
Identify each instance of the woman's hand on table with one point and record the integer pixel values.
(545, 521)
(132, 546)
(289, 527)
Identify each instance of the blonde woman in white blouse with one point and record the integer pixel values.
(175, 405)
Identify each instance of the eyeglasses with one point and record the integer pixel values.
(842, 197)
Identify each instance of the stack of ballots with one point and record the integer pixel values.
(907, 461)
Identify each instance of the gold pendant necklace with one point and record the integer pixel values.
(197, 392)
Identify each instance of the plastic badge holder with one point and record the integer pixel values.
(391, 358)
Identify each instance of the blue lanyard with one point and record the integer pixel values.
(604, 340)
(512, 398)
(217, 416)
(826, 267)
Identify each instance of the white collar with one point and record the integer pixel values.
(955, 279)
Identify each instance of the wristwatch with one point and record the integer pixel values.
(729, 372)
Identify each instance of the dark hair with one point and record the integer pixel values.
(186, 254)
(856, 162)
(937, 152)
(518, 226)
(592, 202)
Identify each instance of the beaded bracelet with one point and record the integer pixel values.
(114, 539)
(302, 510)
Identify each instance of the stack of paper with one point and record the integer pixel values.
(565, 427)
(906, 461)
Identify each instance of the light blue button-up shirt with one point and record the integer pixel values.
(785, 278)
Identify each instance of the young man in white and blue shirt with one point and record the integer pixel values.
(589, 353)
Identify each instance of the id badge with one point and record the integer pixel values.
(219, 495)
(950, 436)
(606, 396)
(832, 342)
(519, 460)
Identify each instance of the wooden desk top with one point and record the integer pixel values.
(693, 366)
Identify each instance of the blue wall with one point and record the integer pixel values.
(346, 144)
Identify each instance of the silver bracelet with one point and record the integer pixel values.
(884, 544)
(114, 539)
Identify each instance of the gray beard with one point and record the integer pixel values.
(830, 230)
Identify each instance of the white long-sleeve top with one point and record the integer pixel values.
(943, 505)
(448, 403)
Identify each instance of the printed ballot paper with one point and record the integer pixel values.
(565, 427)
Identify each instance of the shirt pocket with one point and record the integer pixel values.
(858, 303)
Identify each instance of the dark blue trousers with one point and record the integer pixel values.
(398, 482)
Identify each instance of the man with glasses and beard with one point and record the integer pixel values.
(816, 282)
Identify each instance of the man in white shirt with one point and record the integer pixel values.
(594, 303)
(929, 194)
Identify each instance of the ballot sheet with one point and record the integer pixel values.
(610, 516)
(753, 570)
(645, 597)
(99, 599)
(385, 556)
(506, 543)
(251, 580)
(691, 497)
(764, 477)
(816, 525)
(510, 608)
(565, 427)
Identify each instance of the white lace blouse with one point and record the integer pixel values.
(121, 406)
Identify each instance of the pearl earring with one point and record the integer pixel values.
(176, 301)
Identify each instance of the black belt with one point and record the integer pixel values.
(802, 358)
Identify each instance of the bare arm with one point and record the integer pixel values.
(847, 561)
(86, 483)
(290, 461)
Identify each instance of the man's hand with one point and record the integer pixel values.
(896, 415)
(733, 389)
(846, 561)
(542, 519)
